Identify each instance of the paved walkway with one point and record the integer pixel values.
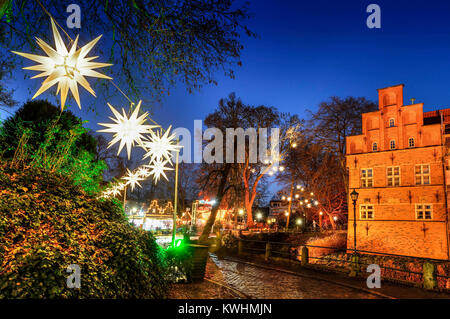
(261, 283)
(230, 278)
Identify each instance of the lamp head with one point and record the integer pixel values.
(354, 195)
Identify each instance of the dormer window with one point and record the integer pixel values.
(392, 145)
(374, 147)
(411, 142)
(391, 123)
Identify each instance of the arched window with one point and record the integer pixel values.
(392, 145)
(411, 142)
(391, 123)
(374, 147)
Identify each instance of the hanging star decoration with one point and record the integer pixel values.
(127, 130)
(157, 169)
(160, 146)
(67, 68)
(143, 172)
(132, 179)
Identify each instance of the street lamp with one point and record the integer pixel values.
(299, 223)
(354, 196)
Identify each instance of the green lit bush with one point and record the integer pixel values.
(178, 262)
(42, 136)
(47, 223)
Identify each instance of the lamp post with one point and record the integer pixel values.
(354, 195)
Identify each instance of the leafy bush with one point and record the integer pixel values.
(178, 263)
(40, 135)
(47, 223)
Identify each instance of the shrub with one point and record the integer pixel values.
(40, 134)
(336, 241)
(47, 223)
(178, 263)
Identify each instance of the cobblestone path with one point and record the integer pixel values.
(257, 282)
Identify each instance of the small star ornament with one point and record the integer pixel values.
(132, 179)
(64, 67)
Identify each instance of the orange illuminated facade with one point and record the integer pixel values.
(399, 167)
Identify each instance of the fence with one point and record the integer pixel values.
(424, 272)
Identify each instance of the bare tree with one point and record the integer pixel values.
(317, 169)
(334, 121)
(163, 41)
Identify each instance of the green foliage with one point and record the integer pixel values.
(178, 262)
(41, 135)
(47, 223)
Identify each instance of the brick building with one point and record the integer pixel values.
(398, 167)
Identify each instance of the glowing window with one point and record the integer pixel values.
(411, 142)
(366, 212)
(422, 174)
(366, 177)
(424, 211)
(393, 176)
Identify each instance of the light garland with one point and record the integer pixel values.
(67, 68)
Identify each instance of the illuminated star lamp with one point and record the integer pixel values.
(67, 68)
(157, 169)
(160, 146)
(127, 130)
(132, 179)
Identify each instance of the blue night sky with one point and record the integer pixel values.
(308, 51)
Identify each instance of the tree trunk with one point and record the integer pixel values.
(248, 208)
(219, 196)
(333, 224)
(209, 224)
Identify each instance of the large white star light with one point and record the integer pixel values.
(160, 146)
(132, 179)
(127, 130)
(157, 169)
(68, 68)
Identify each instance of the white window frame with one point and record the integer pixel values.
(364, 208)
(393, 176)
(422, 175)
(413, 142)
(393, 122)
(390, 145)
(365, 179)
(374, 147)
(422, 208)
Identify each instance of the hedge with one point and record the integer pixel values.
(47, 223)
